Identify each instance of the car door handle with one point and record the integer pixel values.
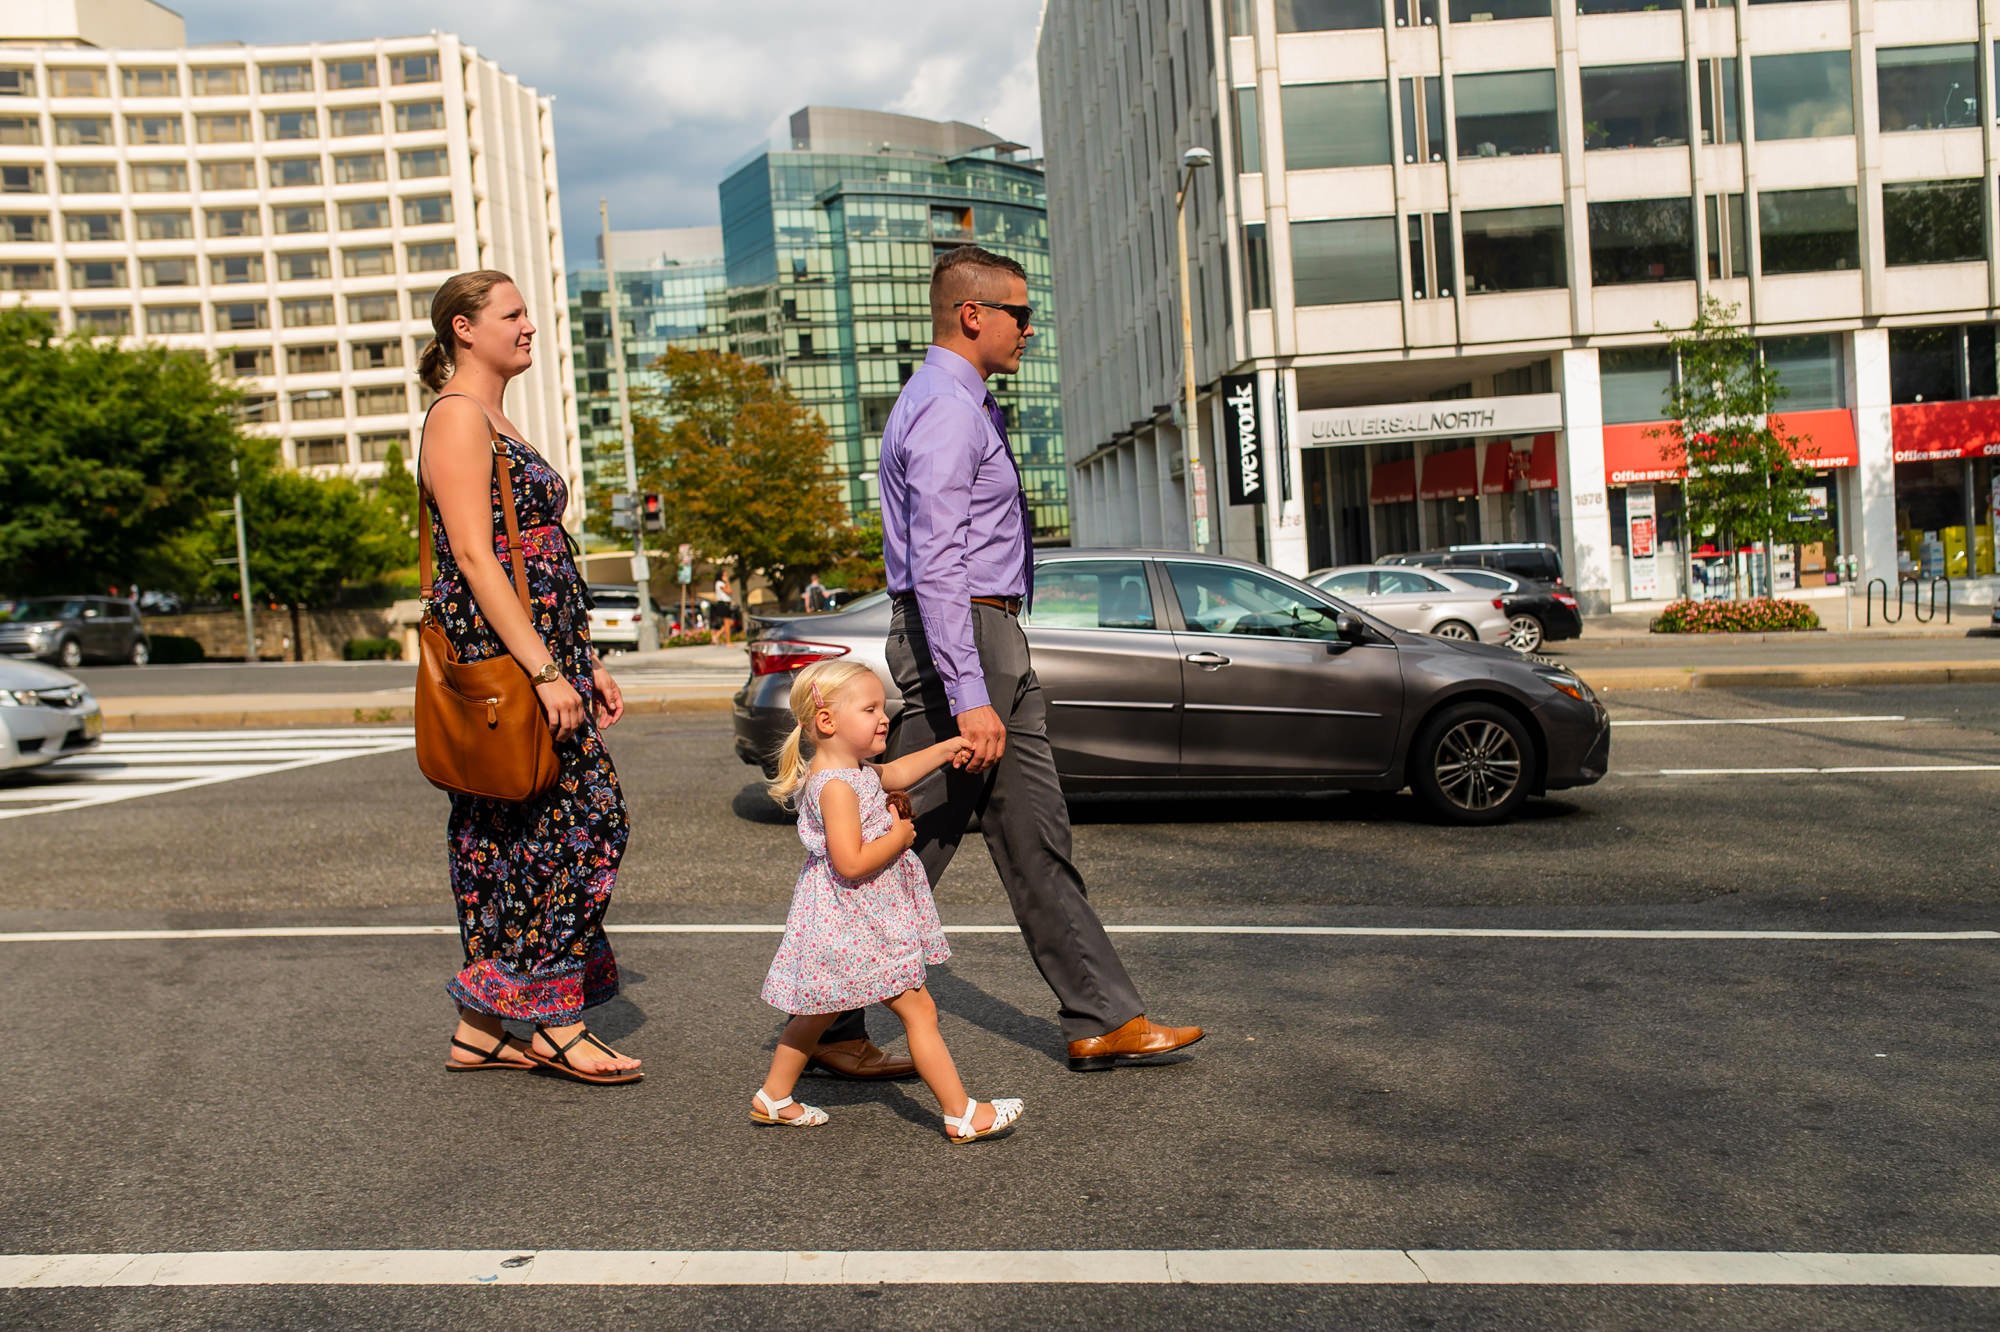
(1208, 661)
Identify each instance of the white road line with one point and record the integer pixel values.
(301, 733)
(1808, 772)
(1098, 1267)
(1751, 721)
(1273, 931)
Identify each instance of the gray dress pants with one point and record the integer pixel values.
(1021, 812)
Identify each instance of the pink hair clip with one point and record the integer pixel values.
(818, 702)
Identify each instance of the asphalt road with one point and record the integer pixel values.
(1357, 1092)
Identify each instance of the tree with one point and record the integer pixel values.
(742, 467)
(1745, 482)
(109, 456)
(397, 490)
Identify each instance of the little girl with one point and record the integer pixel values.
(862, 925)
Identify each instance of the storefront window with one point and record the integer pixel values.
(1505, 115)
(1804, 96)
(1933, 221)
(1942, 363)
(1335, 124)
(1720, 89)
(1641, 240)
(1808, 231)
(1809, 371)
(1480, 11)
(1727, 237)
(1514, 249)
(1327, 15)
(1344, 262)
(1927, 87)
(1634, 383)
(1249, 141)
(1635, 106)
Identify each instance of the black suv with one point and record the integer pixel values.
(1536, 560)
(69, 630)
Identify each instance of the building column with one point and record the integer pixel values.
(1285, 515)
(1868, 390)
(1586, 528)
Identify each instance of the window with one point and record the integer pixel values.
(1942, 363)
(173, 319)
(1434, 279)
(1222, 599)
(375, 448)
(432, 256)
(1514, 249)
(1506, 115)
(159, 178)
(1343, 262)
(225, 222)
(1634, 106)
(421, 162)
(1328, 15)
(97, 178)
(243, 362)
(386, 355)
(27, 277)
(220, 81)
(159, 82)
(1249, 145)
(1728, 237)
(229, 269)
(359, 168)
(313, 358)
(414, 116)
(1256, 267)
(76, 83)
(413, 68)
(1349, 583)
(110, 322)
(233, 175)
(1092, 594)
(321, 452)
(83, 131)
(1720, 87)
(1395, 582)
(1634, 383)
(298, 124)
(89, 227)
(1804, 96)
(1479, 11)
(426, 209)
(1422, 103)
(371, 261)
(364, 214)
(1619, 6)
(230, 127)
(309, 313)
(167, 273)
(24, 131)
(1809, 370)
(304, 266)
(22, 227)
(17, 82)
(353, 72)
(286, 78)
(1933, 221)
(298, 221)
(317, 405)
(375, 307)
(347, 121)
(1927, 87)
(155, 130)
(293, 172)
(1807, 231)
(235, 316)
(390, 399)
(97, 274)
(420, 303)
(164, 226)
(1642, 240)
(258, 407)
(22, 180)
(1335, 124)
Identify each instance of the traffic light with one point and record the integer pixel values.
(624, 512)
(655, 516)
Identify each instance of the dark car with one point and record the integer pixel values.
(1185, 672)
(1524, 559)
(71, 630)
(1536, 612)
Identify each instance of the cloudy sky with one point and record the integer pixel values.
(655, 98)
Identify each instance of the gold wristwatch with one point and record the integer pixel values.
(549, 674)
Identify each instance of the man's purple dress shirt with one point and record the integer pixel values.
(954, 516)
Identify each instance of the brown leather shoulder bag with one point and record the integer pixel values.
(480, 726)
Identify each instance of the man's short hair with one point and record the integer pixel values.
(960, 275)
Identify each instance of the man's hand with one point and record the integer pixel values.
(988, 735)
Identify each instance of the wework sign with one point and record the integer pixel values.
(1522, 414)
(1243, 440)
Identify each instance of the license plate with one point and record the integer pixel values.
(93, 726)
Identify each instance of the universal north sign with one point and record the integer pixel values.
(1521, 414)
(1243, 440)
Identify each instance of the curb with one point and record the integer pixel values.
(400, 714)
(1685, 679)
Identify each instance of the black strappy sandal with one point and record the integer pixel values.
(559, 1063)
(488, 1059)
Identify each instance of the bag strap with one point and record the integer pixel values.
(504, 466)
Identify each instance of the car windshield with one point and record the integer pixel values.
(50, 608)
(615, 600)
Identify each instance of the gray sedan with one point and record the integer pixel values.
(44, 715)
(1187, 672)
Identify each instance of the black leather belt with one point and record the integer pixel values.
(1012, 605)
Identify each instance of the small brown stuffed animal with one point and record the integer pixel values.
(900, 802)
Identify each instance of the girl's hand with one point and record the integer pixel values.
(957, 750)
(902, 833)
(563, 706)
(609, 704)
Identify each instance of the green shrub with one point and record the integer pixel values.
(372, 649)
(174, 649)
(1761, 615)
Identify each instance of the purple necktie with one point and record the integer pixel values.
(999, 419)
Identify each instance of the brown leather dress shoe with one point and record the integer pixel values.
(1136, 1040)
(861, 1060)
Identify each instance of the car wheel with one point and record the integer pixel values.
(1455, 629)
(1472, 763)
(69, 655)
(1524, 633)
(141, 653)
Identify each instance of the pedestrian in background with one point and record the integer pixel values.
(722, 611)
(815, 595)
(531, 878)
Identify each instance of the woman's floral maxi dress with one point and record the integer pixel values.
(532, 879)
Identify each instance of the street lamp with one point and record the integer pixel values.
(1193, 160)
(239, 418)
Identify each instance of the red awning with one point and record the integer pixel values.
(1632, 455)
(1393, 482)
(1453, 475)
(1495, 478)
(1929, 431)
(1826, 437)
(1826, 440)
(1542, 464)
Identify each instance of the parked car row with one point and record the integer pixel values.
(69, 631)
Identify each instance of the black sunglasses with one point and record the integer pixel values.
(1023, 314)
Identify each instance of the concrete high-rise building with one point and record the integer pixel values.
(829, 237)
(286, 209)
(1440, 238)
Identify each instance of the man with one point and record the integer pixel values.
(955, 543)
(815, 595)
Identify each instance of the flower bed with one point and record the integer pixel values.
(1760, 615)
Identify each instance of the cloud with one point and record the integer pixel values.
(655, 99)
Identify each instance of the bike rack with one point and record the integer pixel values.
(1916, 607)
(1916, 602)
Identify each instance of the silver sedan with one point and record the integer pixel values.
(44, 715)
(1423, 601)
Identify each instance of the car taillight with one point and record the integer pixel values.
(772, 656)
(1498, 604)
(1566, 599)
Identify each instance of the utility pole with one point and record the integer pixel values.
(1193, 160)
(642, 574)
(243, 569)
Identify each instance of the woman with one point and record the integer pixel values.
(722, 612)
(532, 879)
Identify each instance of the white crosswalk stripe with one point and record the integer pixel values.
(129, 765)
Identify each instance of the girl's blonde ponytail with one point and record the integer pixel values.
(791, 768)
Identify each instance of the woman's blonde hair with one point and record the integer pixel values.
(462, 294)
(817, 687)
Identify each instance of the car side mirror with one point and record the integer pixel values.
(1347, 632)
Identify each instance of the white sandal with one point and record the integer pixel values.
(958, 1128)
(812, 1117)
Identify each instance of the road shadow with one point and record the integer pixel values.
(1283, 807)
(753, 804)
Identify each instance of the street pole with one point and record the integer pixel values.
(1191, 161)
(642, 574)
(243, 568)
